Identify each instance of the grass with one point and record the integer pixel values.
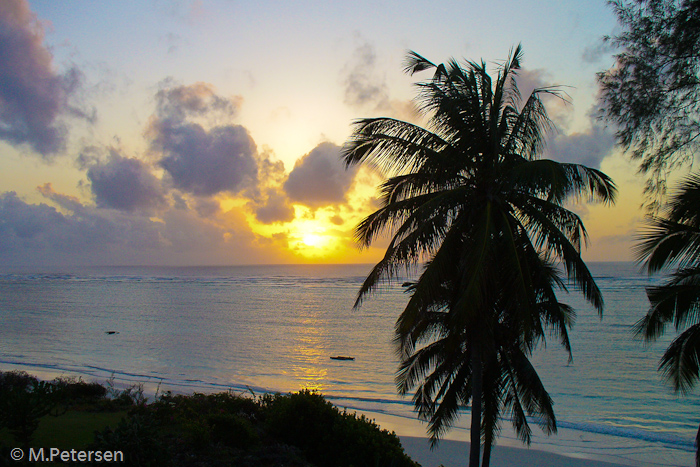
(74, 429)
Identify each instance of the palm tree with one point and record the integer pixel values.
(471, 197)
(671, 240)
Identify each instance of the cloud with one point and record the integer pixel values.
(177, 102)
(201, 160)
(68, 203)
(172, 42)
(320, 178)
(23, 221)
(124, 183)
(587, 147)
(78, 234)
(187, 11)
(276, 208)
(33, 97)
(39, 234)
(269, 202)
(362, 87)
(597, 51)
(558, 108)
(365, 87)
(206, 207)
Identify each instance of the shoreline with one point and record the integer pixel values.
(569, 447)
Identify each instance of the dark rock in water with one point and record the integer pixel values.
(111, 332)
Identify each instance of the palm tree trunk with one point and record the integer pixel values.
(486, 460)
(477, 377)
(697, 447)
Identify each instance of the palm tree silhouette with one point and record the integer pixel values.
(671, 240)
(471, 198)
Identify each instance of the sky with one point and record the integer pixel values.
(193, 132)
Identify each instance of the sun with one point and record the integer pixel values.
(313, 240)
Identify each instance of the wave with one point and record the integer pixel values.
(282, 281)
(670, 440)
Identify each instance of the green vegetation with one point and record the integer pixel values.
(226, 429)
(472, 199)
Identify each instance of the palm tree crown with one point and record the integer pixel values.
(673, 239)
(470, 197)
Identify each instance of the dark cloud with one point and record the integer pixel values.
(320, 178)
(198, 159)
(269, 202)
(23, 221)
(206, 207)
(589, 147)
(68, 203)
(77, 234)
(39, 234)
(177, 102)
(276, 208)
(33, 97)
(124, 183)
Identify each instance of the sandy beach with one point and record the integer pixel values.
(568, 448)
(451, 453)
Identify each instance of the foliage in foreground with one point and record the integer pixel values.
(225, 429)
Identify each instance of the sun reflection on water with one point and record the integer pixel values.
(309, 353)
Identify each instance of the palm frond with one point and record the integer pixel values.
(680, 363)
(666, 243)
(675, 301)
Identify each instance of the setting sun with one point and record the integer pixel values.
(314, 240)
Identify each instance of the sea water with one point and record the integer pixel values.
(274, 328)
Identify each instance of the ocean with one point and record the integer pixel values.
(259, 329)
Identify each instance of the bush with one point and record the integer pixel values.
(16, 380)
(233, 430)
(22, 405)
(75, 390)
(329, 437)
(139, 438)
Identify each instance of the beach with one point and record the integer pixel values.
(566, 448)
(456, 454)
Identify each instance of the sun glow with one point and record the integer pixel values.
(314, 240)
